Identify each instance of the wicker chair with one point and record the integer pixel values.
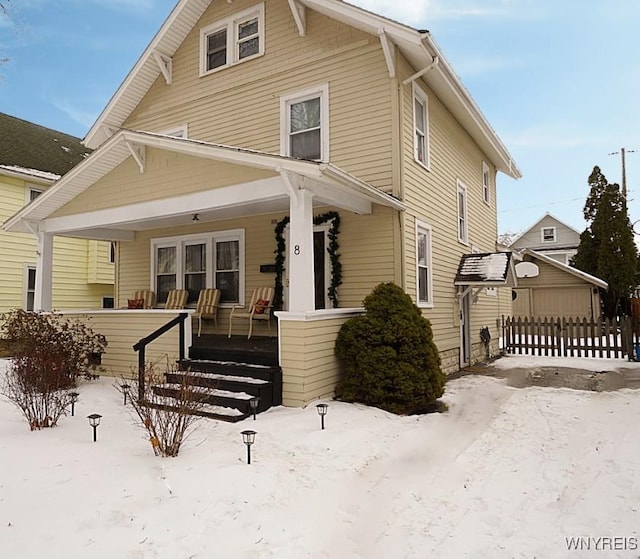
(259, 309)
(146, 295)
(176, 299)
(207, 307)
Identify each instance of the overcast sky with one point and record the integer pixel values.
(557, 79)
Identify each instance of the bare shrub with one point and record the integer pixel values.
(49, 353)
(167, 420)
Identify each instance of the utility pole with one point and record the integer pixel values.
(624, 169)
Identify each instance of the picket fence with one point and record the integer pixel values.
(615, 338)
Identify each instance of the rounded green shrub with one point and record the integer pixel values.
(388, 355)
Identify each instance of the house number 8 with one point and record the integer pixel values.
(296, 249)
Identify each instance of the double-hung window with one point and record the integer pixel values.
(193, 262)
(305, 124)
(30, 288)
(232, 40)
(420, 126)
(423, 265)
(463, 220)
(548, 234)
(486, 188)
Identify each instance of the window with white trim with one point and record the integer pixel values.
(177, 132)
(304, 118)
(420, 126)
(32, 193)
(193, 262)
(112, 252)
(30, 288)
(232, 40)
(424, 281)
(548, 234)
(486, 184)
(463, 220)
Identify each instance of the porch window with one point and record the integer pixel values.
(305, 124)
(165, 271)
(232, 40)
(423, 265)
(420, 127)
(194, 262)
(227, 278)
(463, 223)
(195, 269)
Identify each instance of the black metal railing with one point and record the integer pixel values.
(141, 345)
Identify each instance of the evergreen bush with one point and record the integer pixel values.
(388, 355)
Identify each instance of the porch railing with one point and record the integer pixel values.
(571, 337)
(141, 345)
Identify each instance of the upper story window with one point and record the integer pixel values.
(177, 132)
(304, 118)
(548, 234)
(423, 265)
(32, 193)
(232, 40)
(420, 126)
(463, 219)
(486, 182)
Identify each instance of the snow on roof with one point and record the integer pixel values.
(31, 172)
(483, 268)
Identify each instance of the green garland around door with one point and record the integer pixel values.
(332, 249)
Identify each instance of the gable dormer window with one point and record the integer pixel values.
(232, 40)
(548, 234)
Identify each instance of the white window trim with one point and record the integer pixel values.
(29, 189)
(209, 238)
(463, 233)
(423, 227)
(25, 283)
(491, 291)
(486, 184)
(230, 24)
(542, 239)
(321, 91)
(181, 131)
(421, 96)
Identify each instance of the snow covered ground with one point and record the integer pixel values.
(505, 473)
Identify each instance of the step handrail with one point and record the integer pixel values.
(141, 345)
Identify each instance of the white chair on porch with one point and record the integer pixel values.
(259, 309)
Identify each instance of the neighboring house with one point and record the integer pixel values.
(32, 158)
(551, 237)
(242, 114)
(549, 289)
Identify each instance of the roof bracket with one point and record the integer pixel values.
(165, 63)
(422, 72)
(138, 153)
(389, 50)
(299, 13)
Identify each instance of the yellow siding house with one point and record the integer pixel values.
(32, 158)
(249, 138)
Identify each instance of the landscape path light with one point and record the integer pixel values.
(125, 390)
(74, 399)
(322, 411)
(94, 421)
(248, 438)
(254, 405)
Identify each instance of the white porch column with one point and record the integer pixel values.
(44, 272)
(300, 260)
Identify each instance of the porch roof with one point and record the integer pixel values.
(492, 269)
(330, 185)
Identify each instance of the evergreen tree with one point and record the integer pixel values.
(607, 249)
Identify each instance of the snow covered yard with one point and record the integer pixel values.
(505, 473)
